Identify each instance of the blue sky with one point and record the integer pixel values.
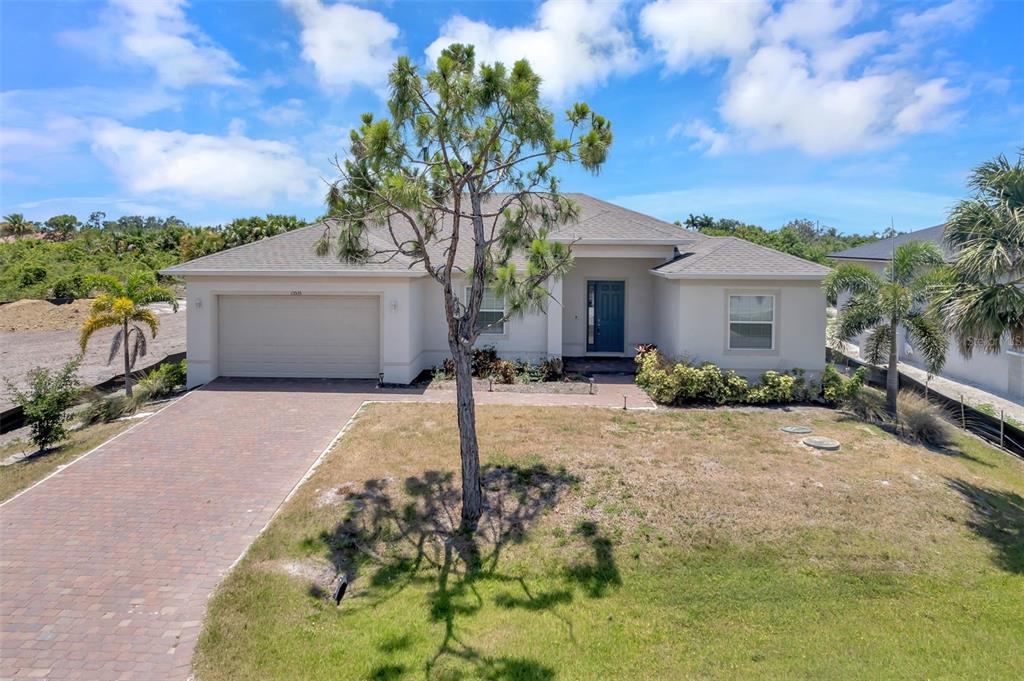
(850, 112)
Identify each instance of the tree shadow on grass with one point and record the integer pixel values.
(388, 542)
(998, 518)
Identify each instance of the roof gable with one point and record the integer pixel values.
(293, 252)
(882, 249)
(724, 257)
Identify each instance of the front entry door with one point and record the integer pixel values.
(606, 316)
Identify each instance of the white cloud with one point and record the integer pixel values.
(956, 13)
(837, 56)
(199, 168)
(288, 112)
(712, 142)
(156, 34)
(347, 45)
(571, 45)
(778, 102)
(929, 108)
(801, 75)
(809, 21)
(693, 31)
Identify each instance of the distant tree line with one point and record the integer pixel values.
(802, 238)
(56, 257)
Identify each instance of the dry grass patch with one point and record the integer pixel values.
(633, 545)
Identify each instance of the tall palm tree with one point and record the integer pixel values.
(123, 304)
(16, 225)
(880, 304)
(982, 300)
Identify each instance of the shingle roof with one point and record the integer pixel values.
(292, 252)
(720, 257)
(882, 249)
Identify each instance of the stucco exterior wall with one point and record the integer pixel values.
(398, 336)
(640, 306)
(684, 317)
(524, 338)
(667, 315)
(701, 332)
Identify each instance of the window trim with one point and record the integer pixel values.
(497, 329)
(729, 321)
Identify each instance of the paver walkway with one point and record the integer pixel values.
(105, 568)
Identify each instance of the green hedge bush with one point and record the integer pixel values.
(683, 383)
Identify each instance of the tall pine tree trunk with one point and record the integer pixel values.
(469, 449)
(892, 376)
(127, 361)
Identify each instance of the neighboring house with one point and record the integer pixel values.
(274, 308)
(1001, 374)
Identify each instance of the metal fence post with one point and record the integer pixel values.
(1002, 429)
(963, 417)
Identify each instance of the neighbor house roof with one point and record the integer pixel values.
(881, 250)
(727, 257)
(599, 222)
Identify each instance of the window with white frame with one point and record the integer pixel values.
(492, 309)
(751, 322)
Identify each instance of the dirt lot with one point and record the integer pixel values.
(39, 315)
(49, 336)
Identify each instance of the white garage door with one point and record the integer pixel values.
(299, 336)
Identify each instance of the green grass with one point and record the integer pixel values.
(24, 473)
(710, 546)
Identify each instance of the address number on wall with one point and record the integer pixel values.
(296, 293)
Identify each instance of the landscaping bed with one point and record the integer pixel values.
(580, 386)
(667, 544)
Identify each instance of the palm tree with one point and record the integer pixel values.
(17, 226)
(880, 304)
(123, 304)
(982, 300)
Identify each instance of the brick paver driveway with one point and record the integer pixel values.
(105, 568)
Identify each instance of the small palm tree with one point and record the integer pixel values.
(982, 300)
(880, 304)
(123, 304)
(16, 225)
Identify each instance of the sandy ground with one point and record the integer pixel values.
(23, 350)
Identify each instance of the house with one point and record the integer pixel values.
(1001, 374)
(275, 308)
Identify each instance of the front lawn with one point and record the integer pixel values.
(669, 544)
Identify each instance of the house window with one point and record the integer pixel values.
(751, 322)
(492, 309)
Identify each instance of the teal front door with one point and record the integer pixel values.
(606, 316)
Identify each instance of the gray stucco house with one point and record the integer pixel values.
(1001, 373)
(274, 308)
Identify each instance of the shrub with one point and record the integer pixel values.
(483, 361)
(448, 367)
(866, 403)
(106, 409)
(683, 383)
(552, 369)
(164, 379)
(503, 371)
(775, 388)
(71, 286)
(923, 421)
(832, 385)
(46, 401)
(643, 349)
